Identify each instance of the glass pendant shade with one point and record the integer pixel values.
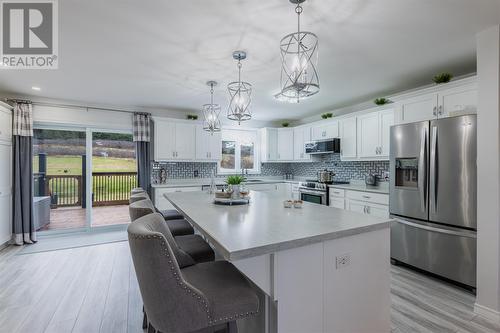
(211, 112)
(299, 62)
(240, 95)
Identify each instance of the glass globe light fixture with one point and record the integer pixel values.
(211, 112)
(240, 94)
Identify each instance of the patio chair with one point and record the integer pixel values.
(184, 297)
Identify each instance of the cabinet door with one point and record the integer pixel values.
(285, 144)
(162, 203)
(5, 125)
(301, 135)
(202, 144)
(337, 202)
(377, 210)
(5, 166)
(356, 206)
(164, 144)
(386, 120)
(457, 101)
(215, 151)
(419, 108)
(185, 141)
(5, 215)
(325, 131)
(272, 144)
(348, 138)
(368, 135)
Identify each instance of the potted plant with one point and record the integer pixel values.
(329, 115)
(324, 116)
(192, 116)
(442, 78)
(285, 124)
(234, 182)
(381, 101)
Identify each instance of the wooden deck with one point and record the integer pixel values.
(74, 217)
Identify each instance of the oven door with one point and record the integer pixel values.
(312, 196)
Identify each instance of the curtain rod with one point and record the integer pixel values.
(72, 106)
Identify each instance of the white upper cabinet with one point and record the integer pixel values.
(285, 144)
(5, 125)
(458, 100)
(269, 144)
(301, 135)
(174, 140)
(325, 131)
(386, 119)
(348, 149)
(374, 134)
(419, 108)
(368, 135)
(208, 145)
(451, 99)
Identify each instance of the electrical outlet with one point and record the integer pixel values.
(342, 261)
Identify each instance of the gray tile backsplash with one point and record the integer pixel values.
(343, 170)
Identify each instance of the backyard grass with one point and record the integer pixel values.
(72, 165)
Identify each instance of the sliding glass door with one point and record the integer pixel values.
(82, 178)
(59, 179)
(114, 174)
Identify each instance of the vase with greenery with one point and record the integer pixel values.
(233, 183)
(442, 78)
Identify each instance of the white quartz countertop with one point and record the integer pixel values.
(193, 182)
(383, 188)
(265, 226)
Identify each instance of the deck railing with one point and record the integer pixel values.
(108, 188)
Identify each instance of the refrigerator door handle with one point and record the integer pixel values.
(422, 170)
(469, 234)
(433, 166)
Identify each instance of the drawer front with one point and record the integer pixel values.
(336, 192)
(337, 202)
(182, 189)
(162, 203)
(378, 198)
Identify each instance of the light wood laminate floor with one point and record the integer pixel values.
(94, 289)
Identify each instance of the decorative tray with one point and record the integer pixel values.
(230, 201)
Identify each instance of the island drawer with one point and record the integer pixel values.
(336, 192)
(337, 202)
(378, 198)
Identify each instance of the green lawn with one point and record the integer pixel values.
(72, 165)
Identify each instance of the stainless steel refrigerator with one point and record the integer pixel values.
(433, 196)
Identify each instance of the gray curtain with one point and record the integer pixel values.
(142, 154)
(22, 199)
(141, 128)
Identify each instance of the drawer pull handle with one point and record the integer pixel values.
(366, 196)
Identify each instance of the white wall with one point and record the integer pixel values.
(488, 170)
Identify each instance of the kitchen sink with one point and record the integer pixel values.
(254, 181)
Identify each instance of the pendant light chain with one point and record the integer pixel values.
(239, 94)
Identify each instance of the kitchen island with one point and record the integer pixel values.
(323, 269)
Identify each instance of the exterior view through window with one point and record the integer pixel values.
(238, 151)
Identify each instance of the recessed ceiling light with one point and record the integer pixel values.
(36, 88)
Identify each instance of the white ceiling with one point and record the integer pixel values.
(159, 54)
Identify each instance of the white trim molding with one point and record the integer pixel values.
(486, 312)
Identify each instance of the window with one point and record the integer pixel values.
(239, 151)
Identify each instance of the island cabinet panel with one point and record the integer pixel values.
(299, 289)
(162, 203)
(354, 302)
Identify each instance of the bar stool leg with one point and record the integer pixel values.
(144, 319)
(151, 329)
(231, 327)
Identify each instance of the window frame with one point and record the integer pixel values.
(239, 136)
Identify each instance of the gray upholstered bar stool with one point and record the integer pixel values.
(179, 296)
(137, 197)
(193, 245)
(178, 227)
(169, 214)
(137, 190)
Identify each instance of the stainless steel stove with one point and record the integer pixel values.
(316, 192)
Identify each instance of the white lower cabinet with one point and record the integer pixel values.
(5, 215)
(162, 203)
(375, 204)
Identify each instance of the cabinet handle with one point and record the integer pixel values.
(440, 110)
(210, 154)
(366, 196)
(368, 209)
(364, 209)
(434, 111)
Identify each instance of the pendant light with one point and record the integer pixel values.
(299, 60)
(239, 94)
(211, 112)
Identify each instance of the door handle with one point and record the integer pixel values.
(440, 110)
(469, 234)
(433, 167)
(434, 111)
(422, 172)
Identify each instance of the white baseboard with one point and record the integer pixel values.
(486, 312)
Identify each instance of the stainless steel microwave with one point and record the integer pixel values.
(328, 146)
